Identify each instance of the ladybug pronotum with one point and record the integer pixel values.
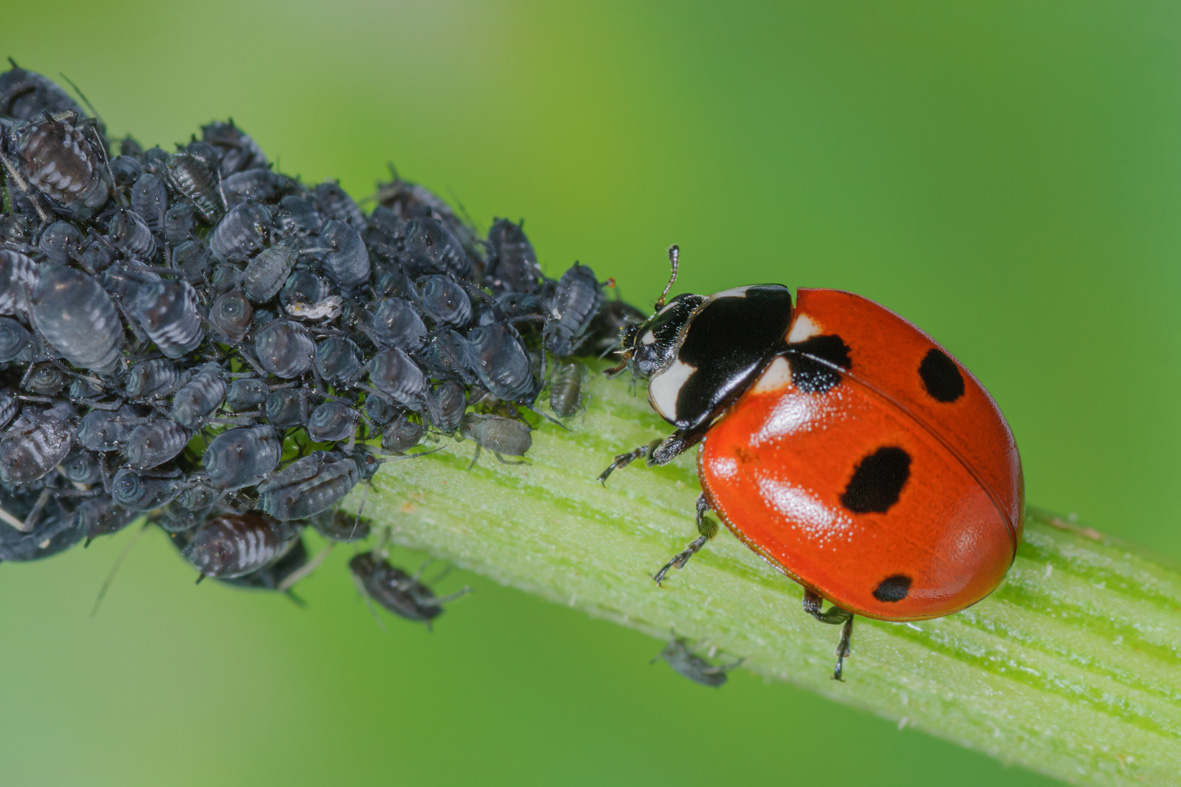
(839, 442)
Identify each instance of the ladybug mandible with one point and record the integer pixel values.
(838, 441)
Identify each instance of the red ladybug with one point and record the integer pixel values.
(838, 441)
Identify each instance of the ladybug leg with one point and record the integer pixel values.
(706, 527)
(836, 616)
(659, 452)
(623, 460)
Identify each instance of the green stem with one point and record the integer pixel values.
(1070, 668)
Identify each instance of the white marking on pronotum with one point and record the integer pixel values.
(665, 387)
(802, 329)
(734, 292)
(775, 378)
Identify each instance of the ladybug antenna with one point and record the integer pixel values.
(674, 253)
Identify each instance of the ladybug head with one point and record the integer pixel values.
(652, 345)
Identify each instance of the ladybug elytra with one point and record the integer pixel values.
(839, 442)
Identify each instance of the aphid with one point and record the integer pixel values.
(339, 361)
(379, 409)
(14, 341)
(126, 170)
(332, 422)
(9, 406)
(138, 491)
(200, 396)
(834, 413)
(107, 430)
(340, 527)
(153, 443)
(53, 532)
(230, 316)
(242, 457)
(284, 348)
(498, 357)
(574, 305)
(238, 151)
(397, 591)
(192, 179)
(613, 319)
(14, 229)
(86, 390)
(60, 242)
(60, 161)
(18, 279)
(445, 302)
(81, 467)
(335, 204)
(397, 376)
(167, 310)
(512, 264)
(401, 434)
(267, 272)
(77, 316)
(178, 223)
(686, 663)
(192, 260)
(309, 486)
(149, 200)
(130, 233)
(565, 395)
(44, 380)
(279, 575)
(35, 444)
(447, 357)
(445, 406)
(99, 516)
(246, 393)
(297, 216)
(151, 379)
(395, 323)
(26, 95)
(428, 247)
(304, 286)
(241, 233)
(502, 436)
(233, 545)
(287, 408)
(255, 185)
(346, 261)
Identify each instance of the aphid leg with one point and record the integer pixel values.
(11, 520)
(23, 186)
(368, 601)
(706, 527)
(836, 616)
(306, 569)
(35, 514)
(504, 461)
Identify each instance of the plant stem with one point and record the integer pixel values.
(1070, 668)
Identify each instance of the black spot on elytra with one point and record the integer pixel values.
(941, 376)
(808, 372)
(877, 481)
(892, 588)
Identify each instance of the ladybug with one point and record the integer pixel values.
(838, 441)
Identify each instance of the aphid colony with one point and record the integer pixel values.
(194, 336)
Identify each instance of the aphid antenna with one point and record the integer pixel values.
(123, 553)
(467, 216)
(368, 602)
(674, 255)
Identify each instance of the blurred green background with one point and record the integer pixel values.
(1006, 174)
